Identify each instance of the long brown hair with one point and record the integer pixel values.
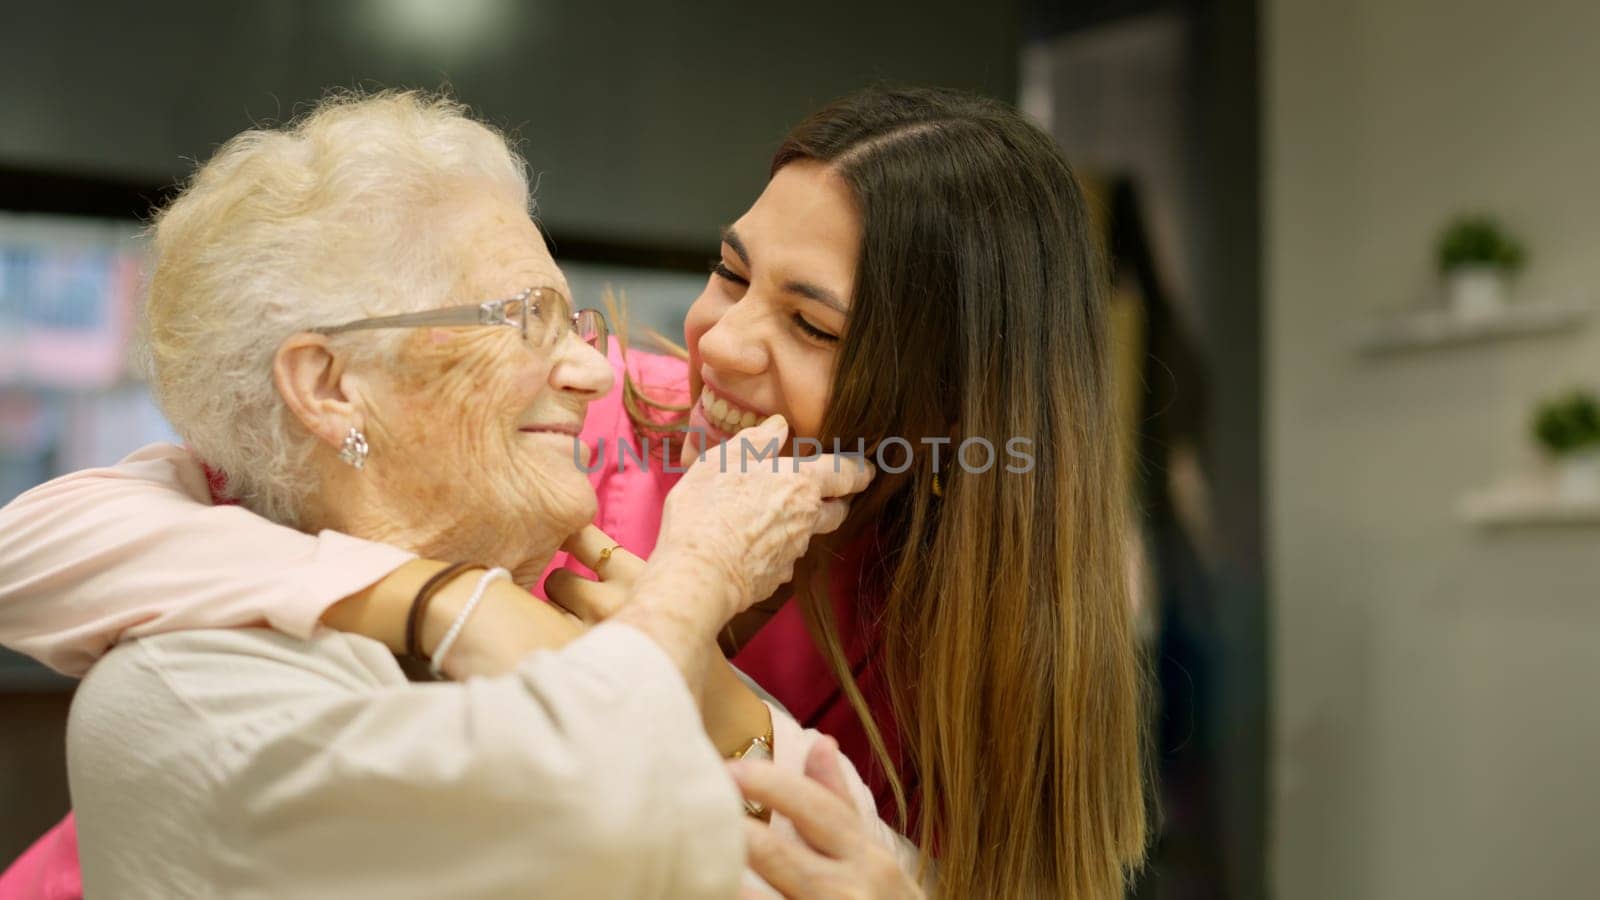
(980, 312)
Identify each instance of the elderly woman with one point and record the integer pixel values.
(356, 323)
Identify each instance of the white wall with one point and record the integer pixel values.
(1437, 708)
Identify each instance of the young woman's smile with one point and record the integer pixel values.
(721, 414)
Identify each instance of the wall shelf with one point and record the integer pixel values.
(1443, 327)
(1528, 504)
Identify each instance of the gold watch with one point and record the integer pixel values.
(760, 747)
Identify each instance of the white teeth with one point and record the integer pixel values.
(724, 415)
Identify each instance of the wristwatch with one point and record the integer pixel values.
(760, 747)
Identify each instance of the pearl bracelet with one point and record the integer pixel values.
(450, 637)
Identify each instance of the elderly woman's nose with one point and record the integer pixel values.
(582, 369)
(734, 344)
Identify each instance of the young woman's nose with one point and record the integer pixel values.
(736, 344)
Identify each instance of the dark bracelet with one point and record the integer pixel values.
(419, 606)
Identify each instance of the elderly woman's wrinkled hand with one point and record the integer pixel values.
(739, 523)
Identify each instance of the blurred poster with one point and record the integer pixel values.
(67, 295)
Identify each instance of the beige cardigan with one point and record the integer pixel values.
(246, 763)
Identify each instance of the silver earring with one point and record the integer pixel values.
(354, 450)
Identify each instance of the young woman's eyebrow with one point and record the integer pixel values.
(802, 288)
(819, 294)
(731, 238)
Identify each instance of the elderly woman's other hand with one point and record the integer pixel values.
(838, 855)
(737, 522)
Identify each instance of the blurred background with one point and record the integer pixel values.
(1356, 247)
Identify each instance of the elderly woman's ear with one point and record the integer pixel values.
(317, 385)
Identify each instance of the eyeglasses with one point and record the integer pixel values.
(536, 313)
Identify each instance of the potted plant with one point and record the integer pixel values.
(1477, 259)
(1568, 428)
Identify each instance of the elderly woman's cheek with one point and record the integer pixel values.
(440, 430)
(488, 376)
(535, 474)
(566, 497)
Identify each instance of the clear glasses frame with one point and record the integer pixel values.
(531, 305)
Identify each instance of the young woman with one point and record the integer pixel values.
(919, 279)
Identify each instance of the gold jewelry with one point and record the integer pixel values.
(605, 557)
(760, 747)
(938, 490)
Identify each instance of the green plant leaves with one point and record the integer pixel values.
(1568, 423)
(1479, 241)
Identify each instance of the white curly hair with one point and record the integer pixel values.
(330, 218)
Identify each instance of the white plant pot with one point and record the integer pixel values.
(1475, 292)
(1578, 475)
